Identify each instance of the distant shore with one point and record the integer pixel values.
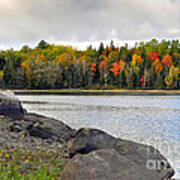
(99, 92)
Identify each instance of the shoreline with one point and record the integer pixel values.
(79, 148)
(80, 92)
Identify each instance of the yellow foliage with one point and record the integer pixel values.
(136, 60)
(1, 76)
(173, 76)
(104, 58)
(174, 71)
(169, 81)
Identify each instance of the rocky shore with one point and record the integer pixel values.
(89, 154)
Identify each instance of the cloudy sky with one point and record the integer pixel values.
(80, 22)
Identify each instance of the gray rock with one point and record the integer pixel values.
(87, 140)
(144, 155)
(48, 128)
(106, 164)
(137, 152)
(10, 106)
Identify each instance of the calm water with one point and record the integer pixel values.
(151, 120)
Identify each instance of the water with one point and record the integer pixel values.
(151, 120)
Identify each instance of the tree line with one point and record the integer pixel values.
(150, 65)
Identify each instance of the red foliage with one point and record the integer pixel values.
(142, 81)
(153, 56)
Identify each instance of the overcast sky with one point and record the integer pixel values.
(80, 22)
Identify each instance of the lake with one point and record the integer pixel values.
(153, 120)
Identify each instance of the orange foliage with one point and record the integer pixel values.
(65, 59)
(25, 68)
(117, 67)
(167, 60)
(43, 58)
(122, 65)
(92, 67)
(110, 49)
(158, 66)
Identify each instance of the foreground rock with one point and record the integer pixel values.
(127, 160)
(106, 164)
(10, 106)
(87, 140)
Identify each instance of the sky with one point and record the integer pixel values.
(83, 22)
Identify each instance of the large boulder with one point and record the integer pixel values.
(90, 140)
(10, 106)
(107, 164)
(87, 140)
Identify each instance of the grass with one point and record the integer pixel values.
(26, 165)
(98, 92)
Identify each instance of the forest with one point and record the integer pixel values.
(150, 65)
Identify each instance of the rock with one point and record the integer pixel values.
(106, 164)
(16, 127)
(34, 132)
(137, 152)
(87, 140)
(39, 132)
(47, 128)
(144, 155)
(10, 106)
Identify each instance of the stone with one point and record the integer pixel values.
(48, 128)
(10, 106)
(144, 155)
(87, 140)
(90, 140)
(106, 164)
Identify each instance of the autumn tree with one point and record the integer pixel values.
(152, 65)
(172, 80)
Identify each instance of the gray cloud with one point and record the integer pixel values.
(87, 20)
